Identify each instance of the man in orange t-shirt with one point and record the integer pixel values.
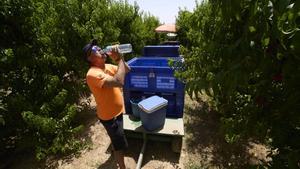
(105, 82)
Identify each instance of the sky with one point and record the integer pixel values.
(165, 10)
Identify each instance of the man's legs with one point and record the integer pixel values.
(119, 143)
(119, 156)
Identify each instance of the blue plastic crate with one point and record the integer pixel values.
(161, 51)
(152, 74)
(175, 104)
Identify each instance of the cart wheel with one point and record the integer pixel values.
(176, 144)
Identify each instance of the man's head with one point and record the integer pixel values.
(92, 53)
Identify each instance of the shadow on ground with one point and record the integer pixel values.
(26, 159)
(109, 163)
(203, 138)
(155, 150)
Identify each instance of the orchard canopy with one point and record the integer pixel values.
(42, 70)
(242, 54)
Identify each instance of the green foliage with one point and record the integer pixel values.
(41, 65)
(245, 55)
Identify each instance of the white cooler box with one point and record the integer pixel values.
(153, 112)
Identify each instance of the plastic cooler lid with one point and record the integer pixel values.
(152, 104)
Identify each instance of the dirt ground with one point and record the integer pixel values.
(203, 147)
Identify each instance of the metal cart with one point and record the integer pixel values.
(172, 131)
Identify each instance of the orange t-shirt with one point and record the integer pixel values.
(109, 100)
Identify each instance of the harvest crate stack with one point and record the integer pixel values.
(151, 75)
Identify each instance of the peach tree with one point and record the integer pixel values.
(245, 55)
(42, 70)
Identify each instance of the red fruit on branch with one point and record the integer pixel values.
(277, 77)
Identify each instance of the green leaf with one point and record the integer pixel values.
(252, 29)
(266, 42)
(2, 120)
(237, 17)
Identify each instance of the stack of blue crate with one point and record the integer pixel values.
(151, 75)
